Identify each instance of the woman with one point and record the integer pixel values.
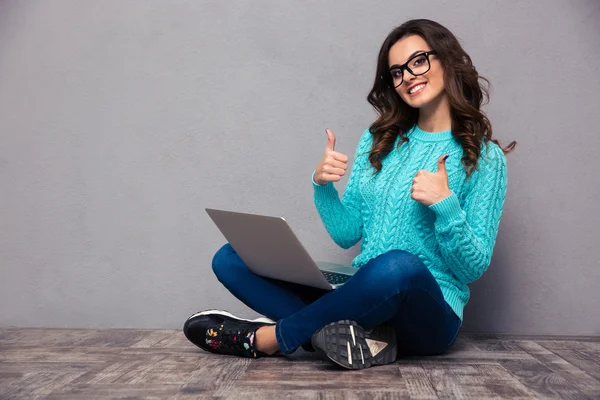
(425, 195)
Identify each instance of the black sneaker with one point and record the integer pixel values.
(347, 344)
(223, 333)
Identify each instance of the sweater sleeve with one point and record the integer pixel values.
(466, 237)
(342, 218)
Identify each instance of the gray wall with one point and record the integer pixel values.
(121, 121)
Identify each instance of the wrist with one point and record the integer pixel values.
(445, 194)
(316, 181)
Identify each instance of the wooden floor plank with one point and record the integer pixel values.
(418, 384)
(162, 364)
(549, 375)
(477, 381)
(216, 375)
(116, 391)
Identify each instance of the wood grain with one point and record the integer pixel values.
(162, 364)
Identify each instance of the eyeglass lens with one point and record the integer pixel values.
(417, 66)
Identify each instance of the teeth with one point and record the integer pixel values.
(418, 87)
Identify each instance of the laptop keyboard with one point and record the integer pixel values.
(335, 278)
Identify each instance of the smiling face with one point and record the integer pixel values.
(423, 90)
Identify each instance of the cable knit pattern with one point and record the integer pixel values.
(454, 237)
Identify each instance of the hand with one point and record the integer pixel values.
(430, 187)
(333, 165)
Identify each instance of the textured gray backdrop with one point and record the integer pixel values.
(121, 121)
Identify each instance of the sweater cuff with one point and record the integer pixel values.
(447, 210)
(313, 179)
(327, 190)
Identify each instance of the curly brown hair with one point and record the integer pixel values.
(465, 88)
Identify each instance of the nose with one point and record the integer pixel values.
(408, 78)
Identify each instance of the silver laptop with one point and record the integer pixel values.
(269, 248)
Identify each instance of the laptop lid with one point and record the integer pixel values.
(269, 247)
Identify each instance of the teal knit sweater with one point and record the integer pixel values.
(454, 237)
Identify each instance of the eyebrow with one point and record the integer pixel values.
(409, 57)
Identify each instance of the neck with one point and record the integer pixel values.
(435, 117)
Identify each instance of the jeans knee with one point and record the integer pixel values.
(397, 267)
(220, 262)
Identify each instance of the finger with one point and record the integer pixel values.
(442, 164)
(339, 156)
(330, 140)
(331, 178)
(337, 164)
(333, 171)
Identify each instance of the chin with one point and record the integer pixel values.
(418, 102)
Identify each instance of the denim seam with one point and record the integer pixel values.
(386, 299)
(454, 338)
(445, 306)
(448, 310)
(279, 336)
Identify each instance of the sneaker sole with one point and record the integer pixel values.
(345, 343)
(221, 312)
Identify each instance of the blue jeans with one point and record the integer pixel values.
(395, 288)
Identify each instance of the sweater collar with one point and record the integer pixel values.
(417, 133)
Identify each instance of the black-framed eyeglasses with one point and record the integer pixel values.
(417, 65)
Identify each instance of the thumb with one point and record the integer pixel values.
(442, 164)
(330, 140)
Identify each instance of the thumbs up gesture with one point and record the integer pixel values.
(333, 165)
(430, 187)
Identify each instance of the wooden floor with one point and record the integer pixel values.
(161, 364)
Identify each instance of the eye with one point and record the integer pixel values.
(418, 61)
